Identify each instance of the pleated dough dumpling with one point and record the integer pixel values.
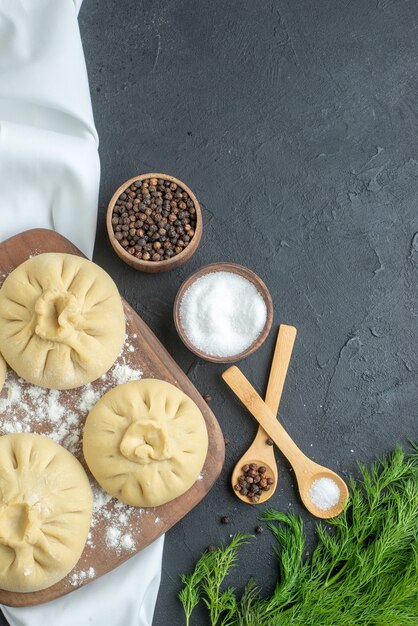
(62, 323)
(145, 442)
(45, 512)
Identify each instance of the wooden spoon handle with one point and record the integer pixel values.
(281, 358)
(264, 416)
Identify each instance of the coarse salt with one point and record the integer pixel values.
(222, 313)
(324, 493)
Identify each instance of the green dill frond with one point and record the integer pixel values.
(363, 571)
(206, 581)
(221, 603)
(190, 595)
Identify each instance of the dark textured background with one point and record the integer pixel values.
(295, 123)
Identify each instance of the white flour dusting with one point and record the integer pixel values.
(100, 497)
(122, 373)
(113, 535)
(61, 415)
(79, 576)
(58, 414)
(127, 542)
(118, 540)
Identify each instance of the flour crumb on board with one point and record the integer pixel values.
(118, 540)
(79, 576)
(89, 397)
(113, 536)
(128, 542)
(122, 373)
(118, 525)
(100, 497)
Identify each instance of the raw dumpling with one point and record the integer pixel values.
(62, 323)
(45, 512)
(3, 371)
(145, 442)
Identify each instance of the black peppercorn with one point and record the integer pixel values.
(150, 211)
(253, 481)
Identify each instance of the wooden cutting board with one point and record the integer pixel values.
(110, 545)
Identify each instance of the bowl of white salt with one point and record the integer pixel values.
(223, 312)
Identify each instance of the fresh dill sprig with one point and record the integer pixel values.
(190, 594)
(363, 572)
(221, 603)
(206, 580)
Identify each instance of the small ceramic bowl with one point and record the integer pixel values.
(166, 264)
(241, 271)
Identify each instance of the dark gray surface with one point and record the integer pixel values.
(295, 123)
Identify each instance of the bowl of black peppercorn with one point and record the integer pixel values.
(154, 222)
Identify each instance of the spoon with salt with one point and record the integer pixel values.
(322, 491)
(260, 452)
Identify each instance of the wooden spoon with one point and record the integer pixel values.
(259, 451)
(306, 470)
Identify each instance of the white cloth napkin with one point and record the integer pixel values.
(124, 597)
(49, 165)
(49, 177)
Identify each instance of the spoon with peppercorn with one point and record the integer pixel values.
(322, 491)
(254, 478)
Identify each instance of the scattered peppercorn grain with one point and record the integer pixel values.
(226, 519)
(154, 219)
(269, 442)
(259, 530)
(207, 397)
